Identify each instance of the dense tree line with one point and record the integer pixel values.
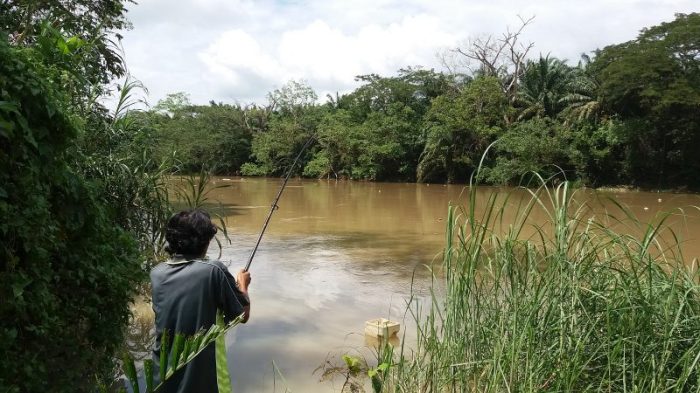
(629, 114)
(81, 201)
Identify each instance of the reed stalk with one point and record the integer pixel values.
(566, 305)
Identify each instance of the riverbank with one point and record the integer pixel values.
(580, 308)
(616, 188)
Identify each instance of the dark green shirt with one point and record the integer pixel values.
(186, 297)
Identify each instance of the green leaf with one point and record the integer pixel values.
(130, 371)
(352, 362)
(18, 287)
(8, 106)
(175, 353)
(164, 355)
(197, 342)
(148, 372)
(376, 383)
(61, 45)
(4, 127)
(186, 351)
(74, 43)
(223, 378)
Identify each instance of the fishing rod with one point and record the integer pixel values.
(274, 203)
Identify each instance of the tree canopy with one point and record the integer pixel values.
(64, 265)
(81, 196)
(627, 114)
(653, 84)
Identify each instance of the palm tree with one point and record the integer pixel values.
(582, 101)
(543, 86)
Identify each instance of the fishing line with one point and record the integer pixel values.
(277, 198)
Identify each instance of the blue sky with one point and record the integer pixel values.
(238, 51)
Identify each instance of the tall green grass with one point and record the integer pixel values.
(566, 305)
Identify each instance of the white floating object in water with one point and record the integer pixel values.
(378, 342)
(381, 327)
(659, 200)
(225, 179)
(646, 208)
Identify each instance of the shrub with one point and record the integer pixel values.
(250, 169)
(67, 273)
(318, 167)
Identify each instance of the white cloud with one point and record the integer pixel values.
(236, 51)
(239, 50)
(325, 56)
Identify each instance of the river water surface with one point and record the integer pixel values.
(339, 253)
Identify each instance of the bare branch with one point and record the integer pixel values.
(503, 57)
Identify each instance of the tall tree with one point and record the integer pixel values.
(376, 132)
(502, 57)
(459, 127)
(582, 100)
(67, 272)
(210, 137)
(94, 21)
(653, 84)
(293, 118)
(543, 88)
(338, 146)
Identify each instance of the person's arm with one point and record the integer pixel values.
(234, 300)
(242, 281)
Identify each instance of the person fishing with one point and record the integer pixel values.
(187, 292)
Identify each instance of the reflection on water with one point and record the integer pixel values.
(311, 296)
(339, 253)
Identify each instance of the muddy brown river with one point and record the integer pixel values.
(339, 253)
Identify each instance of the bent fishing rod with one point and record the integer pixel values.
(277, 198)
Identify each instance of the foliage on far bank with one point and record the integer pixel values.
(629, 114)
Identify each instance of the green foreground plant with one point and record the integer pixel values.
(183, 350)
(64, 264)
(563, 305)
(355, 370)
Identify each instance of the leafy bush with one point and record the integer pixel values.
(459, 128)
(116, 153)
(249, 169)
(67, 273)
(319, 166)
(532, 146)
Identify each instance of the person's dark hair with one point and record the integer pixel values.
(189, 232)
